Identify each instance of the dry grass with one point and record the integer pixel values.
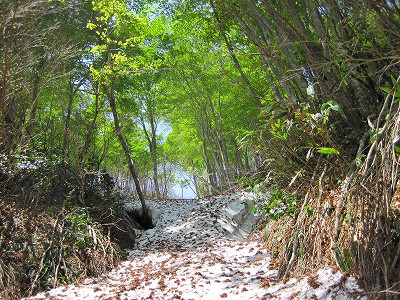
(356, 226)
(37, 253)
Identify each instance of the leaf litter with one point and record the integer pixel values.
(188, 256)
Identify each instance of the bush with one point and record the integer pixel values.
(275, 204)
(56, 225)
(40, 250)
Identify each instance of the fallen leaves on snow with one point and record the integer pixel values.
(187, 256)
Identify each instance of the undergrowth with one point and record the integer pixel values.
(332, 198)
(56, 226)
(41, 249)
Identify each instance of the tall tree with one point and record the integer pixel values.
(33, 56)
(204, 95)
(119, 32)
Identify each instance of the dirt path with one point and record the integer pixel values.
(187, 256)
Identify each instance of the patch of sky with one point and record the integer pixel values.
(184, 188)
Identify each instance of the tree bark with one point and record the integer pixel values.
(152, 141)
(72, 91)
(91, 128)
(146, 220)
(5, 84)
(238, 66)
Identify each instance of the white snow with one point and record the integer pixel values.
(188, 256)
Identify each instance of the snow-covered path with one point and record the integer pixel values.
(187, 256)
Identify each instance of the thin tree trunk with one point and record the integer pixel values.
(154, 157)
(228, 43)
(91, 128)
(238, 158)
(220, 136)
(72, 91)
(31, 122)
(151, 139)
(196, 186)
(5, 84)
(146, 220)
(209, 168)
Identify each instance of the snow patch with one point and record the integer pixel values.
(188, 256)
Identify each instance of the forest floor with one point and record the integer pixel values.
(187, 256)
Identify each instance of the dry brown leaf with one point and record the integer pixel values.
(264, 283)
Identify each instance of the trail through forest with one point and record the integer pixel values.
(188, 256)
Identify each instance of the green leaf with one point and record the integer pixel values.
(328, 151)
(332, 105)
(325, 108)
(394, 81)
(91, 26)
(387, 90)
(397, 149)
(309, 210)
(338, 109)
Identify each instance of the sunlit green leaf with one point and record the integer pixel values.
(328, 151)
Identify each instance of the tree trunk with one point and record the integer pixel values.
(235, 60)
(152, 141)
(68, 121)
(146, 219)
(210, 169)
(238, 159)
(154, 157)
(5, 85)
(91, 128)
(196, 186)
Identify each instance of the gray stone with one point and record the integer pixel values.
(238, 218)
(154, 214)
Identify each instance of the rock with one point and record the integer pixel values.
(154, 214)
(238, 218)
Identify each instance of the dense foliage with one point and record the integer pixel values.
(295, 97)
